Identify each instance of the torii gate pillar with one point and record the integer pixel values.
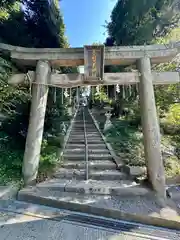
(36, 123)
(151, 130)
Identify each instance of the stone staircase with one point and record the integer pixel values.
(69, 184)
(100, 162)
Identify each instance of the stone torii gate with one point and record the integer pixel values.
(94, 58)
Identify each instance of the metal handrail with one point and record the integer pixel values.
(86, 147)
(67, 135)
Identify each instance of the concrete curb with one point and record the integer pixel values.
(9, 192)
(103, 212)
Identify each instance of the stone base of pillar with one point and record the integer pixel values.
(30, 181)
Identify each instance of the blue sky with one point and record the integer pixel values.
(84, 20)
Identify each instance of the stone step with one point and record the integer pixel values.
(82, 124)
(95, 138)
(98, 187)
(90, 146)
(90, 124)
(90, 141)
(75, 141)
(80, 129)
(80, 121)
(79, 124)
(77, 133)
(88, 134)
(82, 132)
(80, 174)
(82, 151)
(90, 157)
(93, 131)
(101, 165)
(74, 201)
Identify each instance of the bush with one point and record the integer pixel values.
(56, 141)
(10, 160)
(127, 142)
(172, 166)
(171, 122)
(173, 115)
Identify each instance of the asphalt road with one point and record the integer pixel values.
(34, 222)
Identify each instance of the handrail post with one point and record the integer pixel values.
(86, 147)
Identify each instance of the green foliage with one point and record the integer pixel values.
(10, 160)
(39, 25)
(10, 96)
(49, 156)
(12, 24)
(14, 104)
(45, 23)
(145, 22)
(173, 35)
(171, 121)
(173, 116)
(172, 166)
(166, 95)
(12, 157)
(127, 141)
(139, 22)
(56, 141)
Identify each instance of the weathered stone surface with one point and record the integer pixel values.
(95, 164)
(168, 151)
(124, 78)
(16, 79)
(8, 192)
(36, 123)
(108, 123)
(99, 187)
(174, 192)
(151, 131)
(75, 56)
(76, 79)
(137, 171)
(91, 156)
(79, 174)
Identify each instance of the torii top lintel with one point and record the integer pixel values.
(75, 56)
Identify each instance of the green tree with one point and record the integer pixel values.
(41, 25)
(13, 28)
(139, 22)
(30, 24)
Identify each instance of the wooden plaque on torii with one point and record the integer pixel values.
(94, 63)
